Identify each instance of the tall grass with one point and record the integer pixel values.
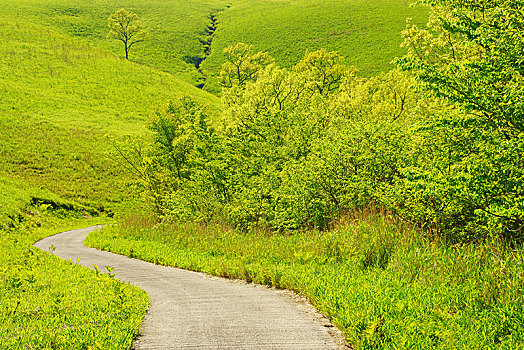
(384, 284)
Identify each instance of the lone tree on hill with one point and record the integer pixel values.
(126, 27)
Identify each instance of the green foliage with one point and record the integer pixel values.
(468, 175)
(242, 65)
(295, 147)
(181, 169)
(299, 146)
(325, 70)
(470, 54)
(126, 27)
(464, 182)
(383, 284)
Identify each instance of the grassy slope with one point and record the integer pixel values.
(62, 102)
(365, 32)
(61, 99)
(63, 89)
(174, 25)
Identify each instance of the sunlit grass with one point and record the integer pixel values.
(63, 103)
(49, 303)
(175, 27)
(365, 32)
(384, 284)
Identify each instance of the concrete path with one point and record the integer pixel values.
(190, 310)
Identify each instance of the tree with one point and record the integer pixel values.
(324, 70)
(242, 65)
(126, 27)
(471, 53)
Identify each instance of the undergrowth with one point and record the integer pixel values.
(385, 285)
(50, 303)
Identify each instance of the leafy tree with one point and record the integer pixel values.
(469, 179)
(324, 69)
(242, 65)
(187, 167)
(471, 53)
(126, 27)
(297, 150)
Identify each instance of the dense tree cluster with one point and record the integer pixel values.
(301, 146)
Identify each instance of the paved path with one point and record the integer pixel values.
(190, 310)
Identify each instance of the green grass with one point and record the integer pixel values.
(174, 25)
(64, 103)
(385, 286)
(365, 32)
(49, 303)
(67, 95)
(66, 92)
(52, 77)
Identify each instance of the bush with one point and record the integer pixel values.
(299, 147)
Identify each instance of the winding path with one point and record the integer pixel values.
(190, 310)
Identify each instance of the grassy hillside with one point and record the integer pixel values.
(365, 32)
(174, 25)
(63, 101)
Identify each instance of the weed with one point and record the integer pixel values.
(384, 284)
(46, 302)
